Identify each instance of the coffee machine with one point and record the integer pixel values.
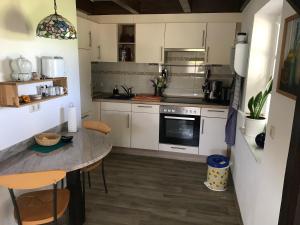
(212, 89)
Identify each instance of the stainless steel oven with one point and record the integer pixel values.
(179, 125)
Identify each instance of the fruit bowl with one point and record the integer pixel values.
(47, 139)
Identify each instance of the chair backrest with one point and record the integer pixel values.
(96, 125)
(32, 180)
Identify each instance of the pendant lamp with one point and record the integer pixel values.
(56, 26)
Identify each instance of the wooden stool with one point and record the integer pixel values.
(39, 207)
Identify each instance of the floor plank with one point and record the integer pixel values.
(154, 191)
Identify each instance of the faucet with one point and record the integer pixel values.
(127, 90)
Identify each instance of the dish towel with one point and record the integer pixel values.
(230, 129)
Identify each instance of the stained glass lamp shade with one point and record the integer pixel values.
(56, 26)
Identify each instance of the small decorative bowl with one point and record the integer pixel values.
(47, 139)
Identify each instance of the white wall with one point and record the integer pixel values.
(18, 21)
(260, 199)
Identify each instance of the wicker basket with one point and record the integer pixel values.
(47, 139)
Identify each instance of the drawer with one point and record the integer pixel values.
(145, 108)
(179, 149)
(214, 112)
(116, 106)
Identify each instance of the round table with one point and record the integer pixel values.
(87, 148)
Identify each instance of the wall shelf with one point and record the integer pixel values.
(9, 92)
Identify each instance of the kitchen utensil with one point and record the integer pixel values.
(66, 138)
(36, 97)
(21, 68)
(47, 139)
(116, 90)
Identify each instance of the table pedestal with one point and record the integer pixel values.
(76, 206)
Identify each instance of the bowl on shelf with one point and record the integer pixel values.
(47, 139)
(36, 97)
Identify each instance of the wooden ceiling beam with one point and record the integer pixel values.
(130, 6)
(185, 5)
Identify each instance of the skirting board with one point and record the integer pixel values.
(160, 154)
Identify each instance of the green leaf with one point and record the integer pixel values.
(250, 107)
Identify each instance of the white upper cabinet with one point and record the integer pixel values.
(84, 33)
(95, 29)
(219, 41)
(150, 43)
(185, 35)
(108, 43)
(104, 43)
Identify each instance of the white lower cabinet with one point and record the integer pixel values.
(212, 136)
(120, 123)
(145, 130)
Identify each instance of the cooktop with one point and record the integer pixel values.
(190, 101)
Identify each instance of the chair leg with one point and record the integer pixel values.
(83, 191)
(103, 176)
(62, 183)
(89, 178)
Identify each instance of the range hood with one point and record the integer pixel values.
(184, 57)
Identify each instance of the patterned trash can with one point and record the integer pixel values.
(217, 173)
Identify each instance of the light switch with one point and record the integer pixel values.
(272, 132)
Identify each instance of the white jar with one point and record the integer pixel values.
(22, 69)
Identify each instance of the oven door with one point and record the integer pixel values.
(179, 129)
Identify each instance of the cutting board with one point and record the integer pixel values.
(147, 98)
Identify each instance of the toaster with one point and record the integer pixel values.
(53, 67)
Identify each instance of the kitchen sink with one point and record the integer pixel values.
(121, 97)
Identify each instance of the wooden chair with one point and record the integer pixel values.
(39, 207)
(102, 128)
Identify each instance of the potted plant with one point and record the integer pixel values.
(255, 122)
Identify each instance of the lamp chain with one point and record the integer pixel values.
(55, 7)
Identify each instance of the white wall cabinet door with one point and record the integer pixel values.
(85, 82)
(185, 35)
(219, 41)
(145, 131)
(120, 124)
(107, 50)
(150, 43)
(84, 33)
(212, 136)
(95, 29)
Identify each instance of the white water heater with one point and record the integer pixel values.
(241, 58)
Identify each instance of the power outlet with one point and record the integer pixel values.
(34, 108)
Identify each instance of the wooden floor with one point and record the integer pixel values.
(153, 191)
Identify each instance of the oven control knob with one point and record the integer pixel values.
(169, 110)
(173, 110)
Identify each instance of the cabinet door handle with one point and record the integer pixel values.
(203, 38)
(128, 121)
(213, 110)
(161, 53)
(202, 127)
(99, 52)
(180, 148)
(90, 39)
(144, 106)
(207, 54)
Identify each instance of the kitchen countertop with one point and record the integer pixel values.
(201, 104)
(87, 148)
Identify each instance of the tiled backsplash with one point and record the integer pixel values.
(105, 76)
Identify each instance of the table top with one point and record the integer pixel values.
(87, 148)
